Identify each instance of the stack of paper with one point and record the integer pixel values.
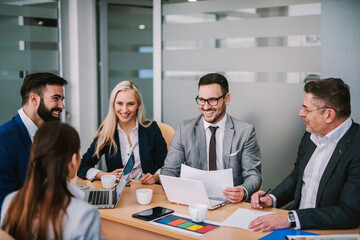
(214, 181)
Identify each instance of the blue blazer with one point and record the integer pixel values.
(15, 144)
(152, 147)
(338, 197)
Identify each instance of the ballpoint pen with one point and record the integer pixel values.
(266, 192)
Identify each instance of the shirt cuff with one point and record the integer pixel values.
(247, 194)
(274, 200)
(91, 173)
(298, 226)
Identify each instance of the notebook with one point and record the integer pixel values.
(109, 198)
(188, 191)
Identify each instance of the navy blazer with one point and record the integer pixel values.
(15, 144)
(152, 147)
(338, 197)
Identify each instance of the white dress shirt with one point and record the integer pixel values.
(325, 146)
(126, 149)
(219, 136)
(29, 124)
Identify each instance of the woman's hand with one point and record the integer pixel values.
(116, 172)
(148, 178)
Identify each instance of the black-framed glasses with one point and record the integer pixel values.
(307, 110)
(210, 101)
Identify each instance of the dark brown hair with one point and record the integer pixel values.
(217, 78)
(36, 83)
(333, 92)
(40, 205)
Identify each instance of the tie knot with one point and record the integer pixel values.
(213, 129)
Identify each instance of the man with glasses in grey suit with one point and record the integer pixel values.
(215, 140)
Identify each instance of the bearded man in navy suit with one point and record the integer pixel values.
(42, 100)
(325, 181)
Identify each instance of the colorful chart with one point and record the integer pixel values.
(186, 224)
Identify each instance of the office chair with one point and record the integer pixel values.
(167, 132)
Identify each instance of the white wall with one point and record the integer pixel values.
(340, 54)
(79, 66)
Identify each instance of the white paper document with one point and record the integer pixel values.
(241, 218)
(214, 181)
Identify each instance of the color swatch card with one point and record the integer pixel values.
(184, 224)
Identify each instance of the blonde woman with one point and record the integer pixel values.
(124, 131)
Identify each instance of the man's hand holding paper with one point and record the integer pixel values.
(215, 182)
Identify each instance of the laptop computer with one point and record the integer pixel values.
(109, 198)
(188, 191)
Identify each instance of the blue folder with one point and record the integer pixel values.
(281, 234)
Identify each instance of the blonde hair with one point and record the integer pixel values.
(105, 132)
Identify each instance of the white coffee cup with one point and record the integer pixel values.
(144, 195)
(198, 212)
(108, 181)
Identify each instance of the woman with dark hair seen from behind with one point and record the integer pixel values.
(123, 132)
(48, 206)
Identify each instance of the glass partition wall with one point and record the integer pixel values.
(266, 49)
(126, 49)
(29, 43)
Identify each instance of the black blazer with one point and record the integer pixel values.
(152, 147)
(338, 197)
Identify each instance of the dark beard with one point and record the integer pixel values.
(45, 113)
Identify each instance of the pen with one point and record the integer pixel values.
(266, 192)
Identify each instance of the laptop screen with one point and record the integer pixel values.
(125, 176)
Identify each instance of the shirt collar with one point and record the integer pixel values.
(220, 124)
(335, 135)
(29, 124)
(135, 128)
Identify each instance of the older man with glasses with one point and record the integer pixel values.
(215, 140)
(324, 186)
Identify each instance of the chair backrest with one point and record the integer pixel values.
(167, 132)
(5, 236)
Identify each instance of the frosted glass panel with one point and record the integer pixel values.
(28, 43)
(129, 33)
(266, 49)
(243, 36)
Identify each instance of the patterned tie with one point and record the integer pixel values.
(212, 149)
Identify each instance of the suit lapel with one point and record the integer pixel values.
(24, 134)
(117, 157)
(201, 140)
(310, 150)
(145, 165)
(339, 150)
(228, 137)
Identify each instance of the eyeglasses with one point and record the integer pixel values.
(210, 101)
(307, 110)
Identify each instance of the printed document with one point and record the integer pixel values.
(241, 218)
(214, 181)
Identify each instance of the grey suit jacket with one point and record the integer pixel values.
(241, 151)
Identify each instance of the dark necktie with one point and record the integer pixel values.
(212, 149)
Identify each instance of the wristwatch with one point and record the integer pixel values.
(245, 195)
(291, 218)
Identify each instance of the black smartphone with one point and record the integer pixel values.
(152, 213)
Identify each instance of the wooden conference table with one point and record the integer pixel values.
(118, 223)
